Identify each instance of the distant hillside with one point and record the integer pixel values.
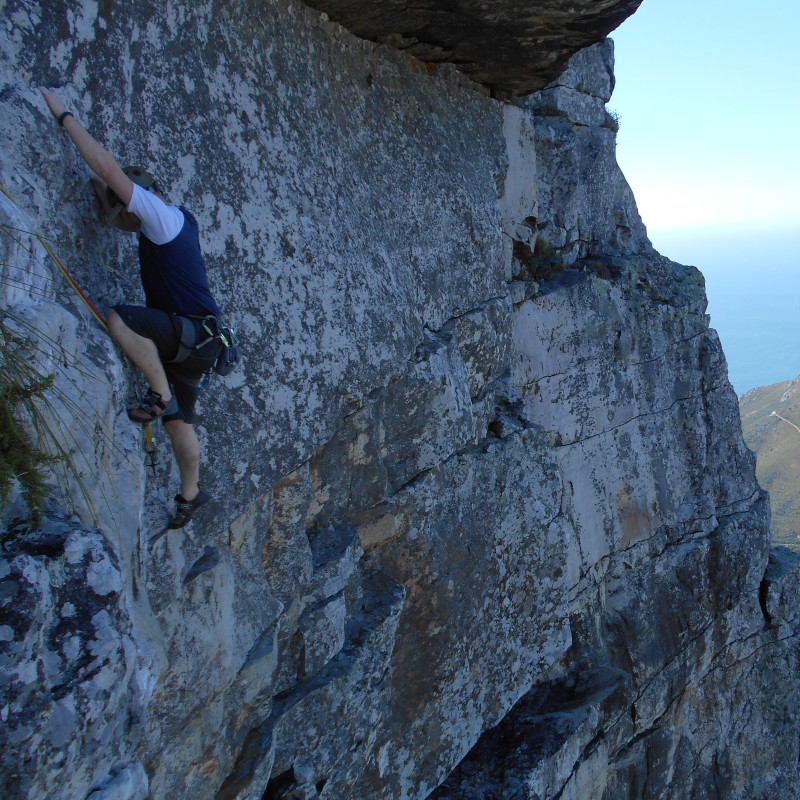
(771, 426)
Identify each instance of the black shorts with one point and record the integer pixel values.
(164, 330)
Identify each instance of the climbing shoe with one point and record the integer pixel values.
(151, 407)
(185, 508)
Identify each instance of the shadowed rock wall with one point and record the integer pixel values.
(482, 438)
(513, 48)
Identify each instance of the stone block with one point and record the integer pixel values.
(129, 783)
(426, 415)
(483, 339)
(323, 633)
(69, 665)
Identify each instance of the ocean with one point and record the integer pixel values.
(753, 287)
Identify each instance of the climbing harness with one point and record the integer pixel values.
(228, 356)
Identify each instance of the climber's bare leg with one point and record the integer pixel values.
(186, 447)
(142, 352)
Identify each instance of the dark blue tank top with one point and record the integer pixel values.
(174, 274)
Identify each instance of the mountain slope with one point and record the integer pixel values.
(771, 428)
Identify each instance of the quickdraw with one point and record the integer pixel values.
(228, 356)
(150, 447)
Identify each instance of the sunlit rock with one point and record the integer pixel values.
(480, 496)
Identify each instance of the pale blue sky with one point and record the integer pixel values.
(708, 92)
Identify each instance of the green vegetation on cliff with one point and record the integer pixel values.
(20, 459)
(771, 427)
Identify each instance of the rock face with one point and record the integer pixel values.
(69, 662)
(590, 210)
(514, 48)
(480, 490)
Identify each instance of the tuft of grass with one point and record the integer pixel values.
(612, 120)
(39, 415)
(39, 447)
(20, 459)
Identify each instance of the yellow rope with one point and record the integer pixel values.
(70, 280)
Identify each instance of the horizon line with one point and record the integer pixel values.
(749, 225)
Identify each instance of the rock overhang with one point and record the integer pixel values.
(512, 47)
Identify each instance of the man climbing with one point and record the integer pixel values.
(161, 339)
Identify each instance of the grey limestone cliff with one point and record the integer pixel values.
(484, 524)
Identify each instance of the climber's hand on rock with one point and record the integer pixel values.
(54, 102)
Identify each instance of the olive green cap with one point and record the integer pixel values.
(140, 176)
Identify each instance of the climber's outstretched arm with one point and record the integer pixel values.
(100, 161)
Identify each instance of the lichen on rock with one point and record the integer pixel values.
(480, 492)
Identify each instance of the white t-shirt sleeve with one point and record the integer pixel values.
(160, 223)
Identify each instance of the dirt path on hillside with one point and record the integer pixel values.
(776, 414)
